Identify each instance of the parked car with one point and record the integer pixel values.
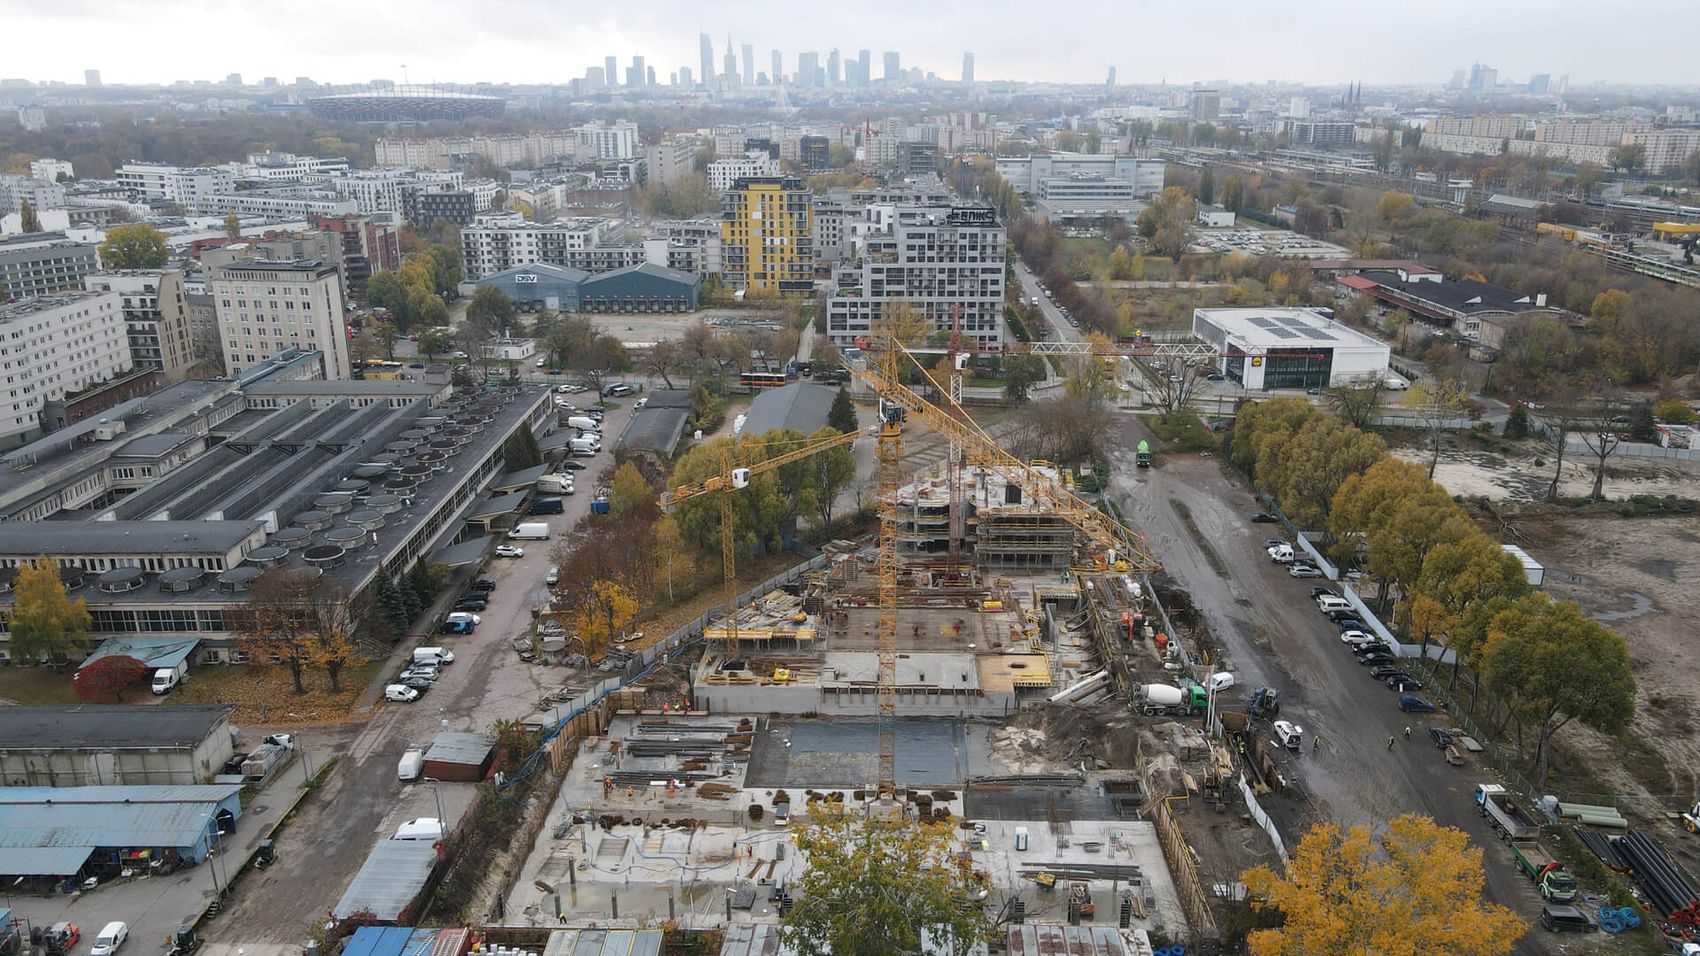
(1415, 705)
(456, 627)
(1320, 591)
(472, 604)
(1384, 671)
(396, 692)
(472, 619)
(509, 551)
(1357, 638)
(1275, 543)
(1380, 656)
(571, 465)
(616, 390)
(482, 584)
(420, 684)
(1264, 517)
(1305, 571)
(112, 936)
(1404, 682)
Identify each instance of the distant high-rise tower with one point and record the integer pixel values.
(967, 67)
(1206, 105)
(778, 69)
(893, 65)
(864, 67)
(1110, 81)
(234, 79)
(808, 64)
(91, 77)
(635, 73)
(833, 68)
(749, 64)
(649, 80)
(706, 48)
(595, 78)
(730, 65)
(611, 69)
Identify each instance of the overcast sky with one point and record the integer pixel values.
(1311, 41)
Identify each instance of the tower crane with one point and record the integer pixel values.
(897, 402)
(734, 478)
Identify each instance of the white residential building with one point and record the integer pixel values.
(722, 173)
(156, 317)
(32, 118)
(41, 194)
(1028, 173)
(495, 244)
(937, 258)
(191, 187)
(671, 162)
(381, 190)
(52, 346)
(50, 169)
(288, 167)
(607, 140)
(265, 307)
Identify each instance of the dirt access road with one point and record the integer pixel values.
(1272, 635)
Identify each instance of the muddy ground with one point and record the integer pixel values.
(1524, 473)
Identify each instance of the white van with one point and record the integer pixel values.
(412, 765)
(423, 828)
(585, 446)
(584, 423)
(111, 937)
(1328, 603)
(433, 655)
(1281, 554)
(1219, 681)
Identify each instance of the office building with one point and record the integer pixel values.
(893, 66)
(43, 262)
(594, 78)
(968, 67)
(268, 307)
(1206, 106)
(767, 236)
(600, 140)
(1029, 174)
(32, 118)
(778, 68)
(636, 75)
(833, 68)
(723, 173)
(1318, 132)
(946, 261)
(749, 64)
(1267, 348)
(42, 194)
(864, 67)
(51, 348)
(495, 244)
(91, 77)
(705, 55)
(611, 67)
(1110, 80)
(156, 318)
(191, 187)
(1483, 79)
(808, 68)
(814, 152)
(455, 205)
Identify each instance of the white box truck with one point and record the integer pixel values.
(584, 423)
(555, 485)
(166, 679)
(530, 531)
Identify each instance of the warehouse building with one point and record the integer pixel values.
(1458, 305)
(112, 744)
(645, 287)
(799, 407)
(69, 832)
(539, 286)
(1269, 348)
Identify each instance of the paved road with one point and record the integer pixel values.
(362, 801)
(1030, 289)
(1273, 636)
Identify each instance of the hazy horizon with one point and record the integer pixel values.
(1322, 42)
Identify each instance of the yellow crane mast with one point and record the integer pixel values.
(733, 478)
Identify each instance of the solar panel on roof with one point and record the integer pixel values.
(1319, 334)
(1283, 333)
(1263, 323)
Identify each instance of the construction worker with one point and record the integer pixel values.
(1389, 741)
(1316, 743)
(1407, 733)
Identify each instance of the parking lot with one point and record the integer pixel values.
(1274, 636)
(324, 845)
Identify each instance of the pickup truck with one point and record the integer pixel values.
(1503, 812)
(1556, 884)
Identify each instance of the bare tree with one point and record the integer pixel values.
(1174, 389)
(1358, 402)
(1435, 403)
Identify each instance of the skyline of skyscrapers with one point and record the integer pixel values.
(737, 67)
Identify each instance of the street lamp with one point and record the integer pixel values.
(441, 819)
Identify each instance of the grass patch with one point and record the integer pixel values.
(1180, 431)
(265, 693)
(42, 685)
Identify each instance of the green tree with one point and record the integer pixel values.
(385, 290)
(832, 471)
(629, 491)
(1020, 374)
(1553, 664)
(1207, 186)
(433, 343)
(1166, 224)
(232, 226)
(842, 415)
(46, 624)
(491, 309)
(1517, 422)
(1691, 167)
(1630, 157)
(875, 882)
(385, 334)
(30, 221)
(135, 246)
(1642, 427)
(1233, 193)
(1413, 888)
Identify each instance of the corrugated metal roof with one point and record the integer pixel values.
(1053, 939)
(454, 746)
(109, 726)
(155, 652)
(377, 941)
(604, 942)
(43, 860)
(76, 817)
(495, 507)
(467, 552)
(753, 939)
(392, 876)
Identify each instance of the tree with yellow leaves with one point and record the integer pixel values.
(606, 612)
(46, 624)
(1413, 888)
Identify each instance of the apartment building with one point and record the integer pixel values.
(192, 187)
(156, 317)
(1494, 127)
(53, 346)
(607, 141)
(1668, 149)
(51, 169)
(266, 307)
(39, 192)
(1028, 173)
(497, 243)
(385, 190)
(671, 162)
(722, 173)
(767, 236)
(43, 262)
(938, 259)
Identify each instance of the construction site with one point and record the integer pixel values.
(995, 658)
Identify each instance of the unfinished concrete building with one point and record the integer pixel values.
(1002, 527)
